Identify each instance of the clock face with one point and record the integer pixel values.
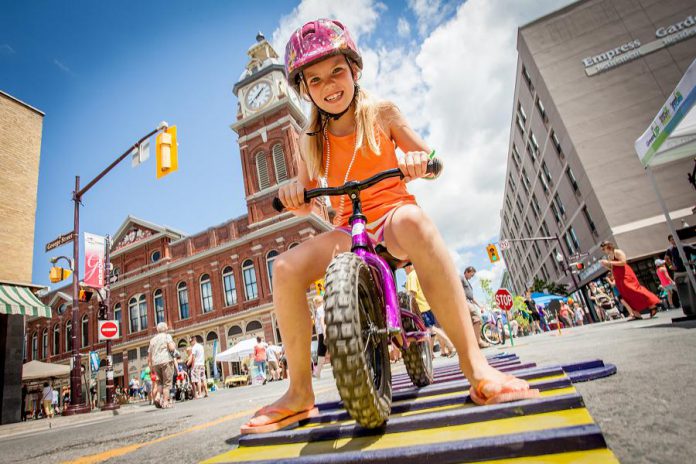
(258, 95)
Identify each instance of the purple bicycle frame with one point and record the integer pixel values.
(363, 247)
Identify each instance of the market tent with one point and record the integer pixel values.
(237, 352)
(16, 299)
(34, 370)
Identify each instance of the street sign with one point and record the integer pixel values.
(504, 245)
(108, 330)
(504, 299)
(62, 240)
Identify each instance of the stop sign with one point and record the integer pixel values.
(108, 330)
(504, 299)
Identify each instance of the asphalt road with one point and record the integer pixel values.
(646, 410)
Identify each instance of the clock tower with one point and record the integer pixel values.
(269, 122)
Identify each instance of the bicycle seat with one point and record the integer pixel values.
(394, 263)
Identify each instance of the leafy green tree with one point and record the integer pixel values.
(488, 293)
(541, 285)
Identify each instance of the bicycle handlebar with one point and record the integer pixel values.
(435, 167)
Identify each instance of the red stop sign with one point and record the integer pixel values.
(504, 299)
(108, 329)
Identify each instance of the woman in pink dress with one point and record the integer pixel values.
(638, 297)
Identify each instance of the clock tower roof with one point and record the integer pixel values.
(262, 60)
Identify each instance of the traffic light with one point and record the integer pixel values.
(319, 287)
(84, 295)
(56, 274)
(167, 152)
(493, 255)
(577, 267)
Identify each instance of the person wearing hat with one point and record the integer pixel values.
(665, 280)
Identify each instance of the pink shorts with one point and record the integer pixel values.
(375, 229)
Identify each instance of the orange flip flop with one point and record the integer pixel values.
(287, 417)
(505, 395)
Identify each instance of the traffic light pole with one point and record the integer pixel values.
(109, 405)
(77, 403)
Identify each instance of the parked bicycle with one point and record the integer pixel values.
(493, 327)
(363, 315)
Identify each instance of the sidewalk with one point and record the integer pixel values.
(40, 425)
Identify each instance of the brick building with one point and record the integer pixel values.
(216, 284)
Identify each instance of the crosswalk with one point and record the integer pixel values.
(439, 423)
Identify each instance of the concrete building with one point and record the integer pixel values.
(20, 150)
(215, 285)
(590, 78)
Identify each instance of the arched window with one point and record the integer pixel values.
(230, 286)
(142, 307)
(249, 273)
(293, 245)
(56, 339)
(158, 300)
(253, 325)
(206, 294)
(118, 316)
(233, 335)
(34, 346)
(44, 344)
(85, 331)
(182, 343)
(68, 336)
(281, 170)
(182, 293)
(62, 308)
(212, 336)
(262, 171)
(133, 315)
(270, 257)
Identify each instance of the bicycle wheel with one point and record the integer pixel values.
(490, 333)
(418, 357)
(359, 354)
(501, 329)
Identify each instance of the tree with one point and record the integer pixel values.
(541, 285)
(488, 293)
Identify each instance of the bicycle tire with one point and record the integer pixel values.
(491, 333)
(360, 359)
(418, 357)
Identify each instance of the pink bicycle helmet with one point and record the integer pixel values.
(315, 41)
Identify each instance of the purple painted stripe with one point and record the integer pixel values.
(396, 385)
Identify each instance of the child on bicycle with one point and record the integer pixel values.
(350, 136)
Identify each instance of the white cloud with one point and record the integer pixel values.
(430, 13)
(6, 49)
(62, 66)
(403, 28)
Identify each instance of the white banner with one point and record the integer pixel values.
(95, 247)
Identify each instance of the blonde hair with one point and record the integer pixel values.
(312, 147)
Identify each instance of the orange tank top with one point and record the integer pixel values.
(377, 200)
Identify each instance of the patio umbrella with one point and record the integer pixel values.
(237, 352)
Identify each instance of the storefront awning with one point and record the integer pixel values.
(19, 300)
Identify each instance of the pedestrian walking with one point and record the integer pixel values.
(579, 314)
(46, 400)
(638, 297)
(198, 368)
(533, 311)
(260, 357)
(668, 284)
(672, 258)
(320, 328)
(543, 319)
(160, 359)
(273, 354)
(474, 307)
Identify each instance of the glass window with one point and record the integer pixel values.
(142, 309)
(544, 185)
(182, 293)
(525, 181)
(573, 237)
(547, 173)
(56, 340)
(133, 315)
(520, 208)
(229, 285)
(155, 256)
(511, 184)
(535, 206)
(249, 274)
(556, 214)
(35, 346)
(533, 146)
(85, 331)
(516, 156)
(270, 257)
(281, 170)
(158, 300)
(44, 344)
(572, 180)
(556, 142)
(527, 227)
(515, 222)
(262, 171)
(508, 203)
(206, 293)
(588, 218)
(559, 204)
(68, 336)
(117, 316)
(537, 251)
(527, 78)
(542, 110)
(569, 243)
(521, 118)
(545, 229)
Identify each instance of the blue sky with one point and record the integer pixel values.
(107, 73)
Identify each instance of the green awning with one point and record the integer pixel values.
(20, 300)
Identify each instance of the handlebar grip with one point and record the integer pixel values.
(278, 205)
(435, 167)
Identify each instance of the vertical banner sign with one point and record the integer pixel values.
(94, 260)
(94, 361)
(216, 375)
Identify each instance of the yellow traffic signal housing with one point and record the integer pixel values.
(493, 255)
(319, 286)
(56, 274)
(167, 152)
(84, 295)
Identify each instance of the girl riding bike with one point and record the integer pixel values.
(350, 136)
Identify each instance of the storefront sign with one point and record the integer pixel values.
(94, 260)
(629, 51)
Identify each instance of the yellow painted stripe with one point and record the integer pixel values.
(534, 422)
(596, 456)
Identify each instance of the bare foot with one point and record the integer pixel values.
(291, 400)
(495, 381)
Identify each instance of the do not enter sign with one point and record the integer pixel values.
(108, 330)
(504, 299)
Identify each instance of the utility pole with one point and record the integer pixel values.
(109, 405)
